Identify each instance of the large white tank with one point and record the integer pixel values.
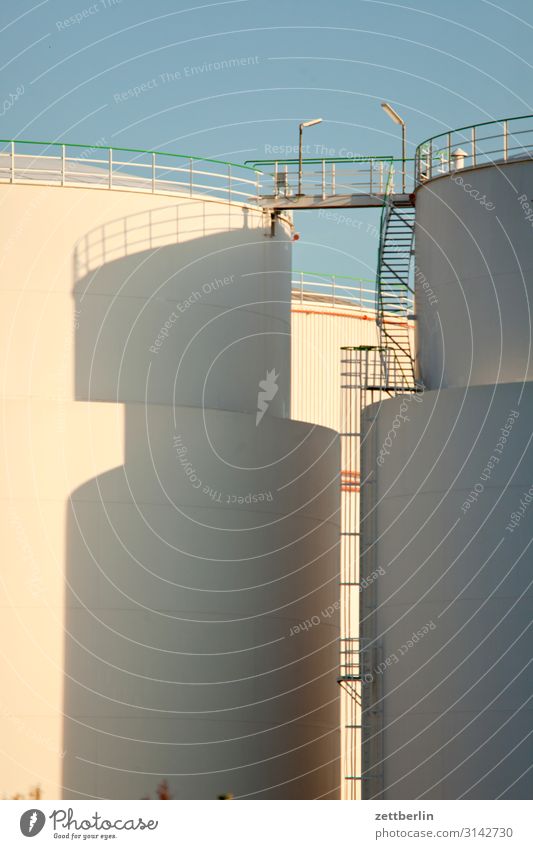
(446, 511)
(473, 280)
(167, 543)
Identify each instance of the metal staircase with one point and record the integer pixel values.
(395, 293)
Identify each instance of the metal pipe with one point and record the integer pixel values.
(404, 154)
(300, 156)
(300, 149)
(388, 109)
(505, 140)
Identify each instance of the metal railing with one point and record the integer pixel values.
(479, 144)
(333, 289)
(395, 294)
(127, 168)
(351, 666)
(327, 177)
(381, 370)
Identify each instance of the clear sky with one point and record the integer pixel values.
(442, 65)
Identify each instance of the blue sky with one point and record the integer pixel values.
(442, 65)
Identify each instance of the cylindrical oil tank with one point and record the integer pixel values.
(446, 511)
(170, 535)
(446, 617)
(474, 276)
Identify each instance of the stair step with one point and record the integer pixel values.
(395, 303)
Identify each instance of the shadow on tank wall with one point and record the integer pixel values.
(178, 600)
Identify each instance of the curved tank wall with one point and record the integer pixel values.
(166, 539)
(474, 276)
(446, 535)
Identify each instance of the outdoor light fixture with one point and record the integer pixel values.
(393, 115)
(302, 125)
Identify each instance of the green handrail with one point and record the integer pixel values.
(332, 274)
(127, 150)
(469, 127)
(427, 152)
(363, 297)
(317, 160)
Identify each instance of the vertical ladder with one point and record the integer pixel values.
(369, 373)
(363, 381)
(395, 293)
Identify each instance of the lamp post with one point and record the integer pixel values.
(387, 108)
(300, 146)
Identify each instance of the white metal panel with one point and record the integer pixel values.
(474, 264)
(454, 700)
(99, 508)
(318, 333)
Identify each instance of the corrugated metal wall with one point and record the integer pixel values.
(319, 330)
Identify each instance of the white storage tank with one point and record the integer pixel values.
(445, 513)
(446, 625)
(473, 280)
(169, 529)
